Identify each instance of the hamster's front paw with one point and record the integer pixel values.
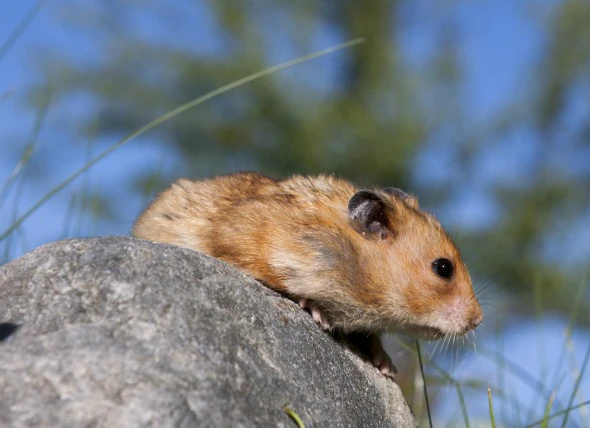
(316, 313)
(380, 359)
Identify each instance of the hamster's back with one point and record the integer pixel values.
(182, 214)
(243, 218)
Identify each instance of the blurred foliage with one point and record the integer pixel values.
(372, 120)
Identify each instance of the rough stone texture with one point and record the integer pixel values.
(121, 332)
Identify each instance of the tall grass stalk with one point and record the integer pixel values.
(559, 413)
(20, 28)
(167, 116)
(576, 386)
(491, 406)
(560, 362)
(29, 149)
(17, 178)
(545, 422)
(447, 377)
(424, 383)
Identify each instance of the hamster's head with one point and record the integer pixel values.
(423, 285)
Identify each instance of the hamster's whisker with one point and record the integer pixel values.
(479, 289)
(483, 291)
(436, 348)
(446, 344)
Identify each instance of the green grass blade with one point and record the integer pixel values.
(560, 362)
(557, 414)
(167, 116)
(527, 378)
(424, 383)
(30, 147)
(18, 177)
(576, 387)
(294, 416)
(491, 405)
(84, 191)
(462, 403)
(544, 370)
(20, 28)
(545, 422)
(447, 377)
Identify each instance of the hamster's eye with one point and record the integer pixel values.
(443, 268)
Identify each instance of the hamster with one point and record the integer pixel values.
(367, 261)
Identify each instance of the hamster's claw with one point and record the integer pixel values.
(380, 359)
(316, 313)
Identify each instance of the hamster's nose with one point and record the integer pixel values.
(476, 320)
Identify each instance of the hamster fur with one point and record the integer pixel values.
(360, 260)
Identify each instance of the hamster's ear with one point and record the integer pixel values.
(400, 194)
(367, 211)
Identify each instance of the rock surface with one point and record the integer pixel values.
(121, 332)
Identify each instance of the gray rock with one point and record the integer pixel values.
(121, 332)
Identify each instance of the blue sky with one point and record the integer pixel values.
(500, 46)
(498, 49)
